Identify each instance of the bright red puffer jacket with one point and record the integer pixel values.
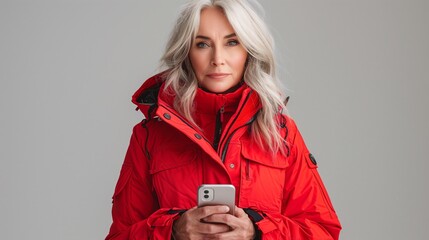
(168, 159)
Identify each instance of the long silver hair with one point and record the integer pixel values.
(259, 75)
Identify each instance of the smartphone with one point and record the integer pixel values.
(217, 194)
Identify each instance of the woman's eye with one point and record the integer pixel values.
(233, 43)
(202, 45)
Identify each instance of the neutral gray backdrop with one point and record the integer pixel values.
(356, 71)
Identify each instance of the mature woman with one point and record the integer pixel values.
(214, 116)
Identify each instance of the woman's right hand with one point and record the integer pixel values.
(190, 226)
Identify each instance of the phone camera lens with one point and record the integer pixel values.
(206, 196)
(206, 191)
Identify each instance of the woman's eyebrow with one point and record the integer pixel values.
(207, 38)
(203, 37)
(230, 35)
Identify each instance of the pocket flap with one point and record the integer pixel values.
(253, 153)
(166, 160)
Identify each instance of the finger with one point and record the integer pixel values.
(239, 212)
(228, 235)
(212, 228)
(238, 233)
(224, 218)
(188, 224)
(240, 221)
(205, 211)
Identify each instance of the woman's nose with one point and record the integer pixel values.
(218, 57)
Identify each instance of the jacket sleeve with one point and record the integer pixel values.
(135, 211)
(307, 212)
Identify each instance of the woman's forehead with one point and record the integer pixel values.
(214, 22)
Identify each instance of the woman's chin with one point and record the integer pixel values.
(220, 89)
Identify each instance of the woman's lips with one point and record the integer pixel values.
(218, 75)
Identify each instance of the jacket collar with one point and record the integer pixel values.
(211, 103)
(152, 93)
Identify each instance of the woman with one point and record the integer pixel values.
(214, 116)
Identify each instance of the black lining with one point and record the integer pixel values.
(283, 124)
(174, 211)
(150, 96)
(218, 130)
(144, 122)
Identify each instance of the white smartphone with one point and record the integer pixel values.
(217, 194)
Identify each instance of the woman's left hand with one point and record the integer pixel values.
(240, 224)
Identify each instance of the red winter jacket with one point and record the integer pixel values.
(168, 158)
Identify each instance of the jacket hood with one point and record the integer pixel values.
(146, 97)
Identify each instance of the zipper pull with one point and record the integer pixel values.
(221, 111)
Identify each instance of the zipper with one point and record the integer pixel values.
(225, 148)
(221, 112)
(218, 128)
(239, 112)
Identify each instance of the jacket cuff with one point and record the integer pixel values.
(160, 223)
(176, 211)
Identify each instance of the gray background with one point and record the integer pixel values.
(356, 71)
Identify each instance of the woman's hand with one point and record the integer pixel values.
(241, 227)
(213, 222)
(191, 225)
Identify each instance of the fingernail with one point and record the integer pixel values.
(225, 209)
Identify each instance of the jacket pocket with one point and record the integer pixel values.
(262, 178)
(175, 176)
(254, 156)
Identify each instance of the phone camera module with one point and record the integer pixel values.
(206, 196)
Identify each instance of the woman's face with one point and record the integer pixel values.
(217, 57)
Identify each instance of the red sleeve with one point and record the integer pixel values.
(307, 211)
(135, 211)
